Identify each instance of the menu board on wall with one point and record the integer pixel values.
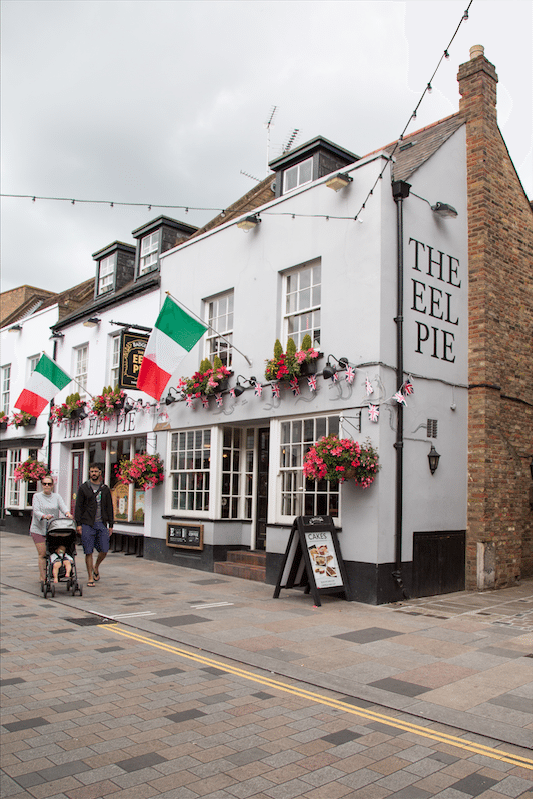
(313, 559)
(185, 536)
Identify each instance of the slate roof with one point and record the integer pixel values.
(417, 147)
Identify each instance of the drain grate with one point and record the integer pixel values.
(91, 621)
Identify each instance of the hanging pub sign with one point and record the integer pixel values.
(132, 347)
(313, 559)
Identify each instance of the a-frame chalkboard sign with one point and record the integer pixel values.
(313, 559)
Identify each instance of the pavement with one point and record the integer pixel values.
(463, 659)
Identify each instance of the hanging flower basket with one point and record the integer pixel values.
(108, 403)
(208, 380)
(146, 471)
(22, 419)
(31, 470)
(73, 408)
(3, 421)
(339, 459)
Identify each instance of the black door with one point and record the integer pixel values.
(263, 440)
(438, 562)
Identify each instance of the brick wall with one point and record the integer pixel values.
(500, 441)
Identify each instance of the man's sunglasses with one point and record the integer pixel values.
(48, 484)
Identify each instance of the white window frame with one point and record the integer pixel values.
(106, 274)
(19, 493)
(219, 312)
(298, 173)
(149, 252)
(6, 388)
(114, 360)
(193, 479)
(302, 303)
(286, 466)
(33, 360)
(81, 367)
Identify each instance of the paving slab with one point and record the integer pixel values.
(463, 659)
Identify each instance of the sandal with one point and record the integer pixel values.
(91, 584)
(96, 576)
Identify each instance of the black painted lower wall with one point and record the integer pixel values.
(203, 560)
(19, 523)
(370, 583)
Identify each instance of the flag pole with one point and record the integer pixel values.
(233, 347)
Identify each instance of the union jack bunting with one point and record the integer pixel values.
(205, 401)
(350, 374)
(188, 401)
(399, 397)
(218, 400)
(311, 382)
(408, 387)
(275, 389)
(158, 406)
(368, 386)
(258, 389)
(335, 377)
(232, 392)
(295, 387)
(373, 413)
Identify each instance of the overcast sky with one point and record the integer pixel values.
(164, 103)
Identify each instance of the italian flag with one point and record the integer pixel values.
(46, 381)
(174, 335)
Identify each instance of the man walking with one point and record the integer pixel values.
(94, 520)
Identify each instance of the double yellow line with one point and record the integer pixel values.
(441, 737)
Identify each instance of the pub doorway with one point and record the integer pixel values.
(261, 508)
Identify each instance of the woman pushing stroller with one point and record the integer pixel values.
(45, 506)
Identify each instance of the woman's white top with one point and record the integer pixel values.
(44, 504)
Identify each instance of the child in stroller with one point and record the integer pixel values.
(61, 556)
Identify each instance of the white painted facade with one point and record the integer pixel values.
(358, 308)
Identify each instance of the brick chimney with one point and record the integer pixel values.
(499, 539)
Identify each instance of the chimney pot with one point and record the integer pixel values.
(476, 50)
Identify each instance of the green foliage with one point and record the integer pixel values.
(306, 342)
(291, 347)
(278, 349)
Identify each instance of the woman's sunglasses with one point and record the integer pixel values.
(48, 484)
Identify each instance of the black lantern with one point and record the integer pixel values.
(433, 458)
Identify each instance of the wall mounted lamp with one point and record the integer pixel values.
(15, 329)
(57, 334)
(433, 458)
(444, 210)
(92, 321)
(329, 369)
(338, 182)
(170, 399)
(129, 405)
(239, 388)
(249, 223)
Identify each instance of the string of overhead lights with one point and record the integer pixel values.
(112, 203)
(428, 89)
(222, 211)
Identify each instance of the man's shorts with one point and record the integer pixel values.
(96, 537)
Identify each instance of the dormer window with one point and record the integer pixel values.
(298, 175)
(106, 274)
(149, 253)
(311, 161)
(155, 238)
(114, 268)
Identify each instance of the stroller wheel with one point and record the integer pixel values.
(53, 589)
(45, 590)
(42, 586)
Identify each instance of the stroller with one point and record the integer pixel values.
(61, 532)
